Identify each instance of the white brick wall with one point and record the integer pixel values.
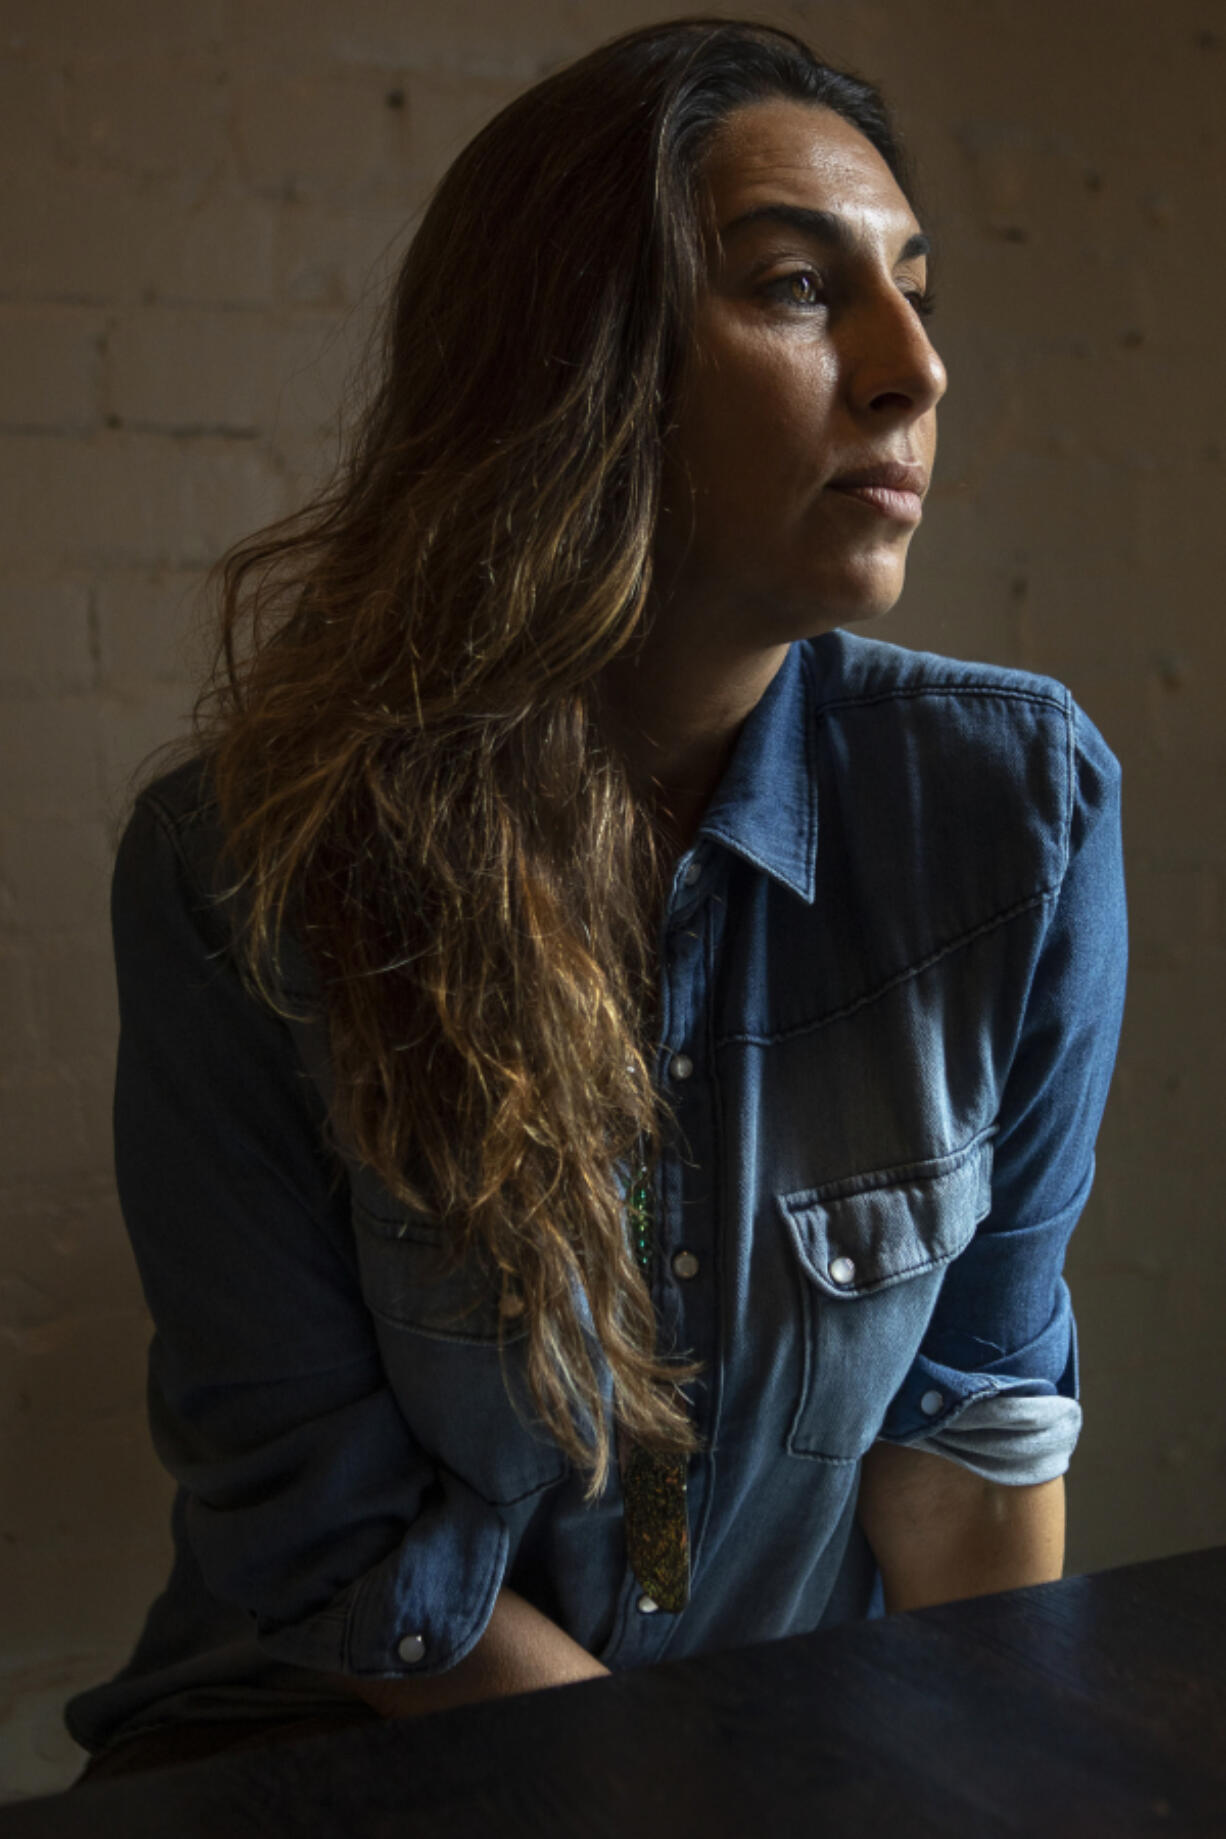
(199, 206)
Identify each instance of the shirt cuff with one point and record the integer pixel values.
(418, 1611)
(1007, 1438)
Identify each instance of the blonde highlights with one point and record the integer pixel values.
(404, 724)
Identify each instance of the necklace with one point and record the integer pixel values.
(656, 1515)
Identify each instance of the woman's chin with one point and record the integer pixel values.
(848, 602)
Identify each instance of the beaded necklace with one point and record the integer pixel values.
(655, 1511)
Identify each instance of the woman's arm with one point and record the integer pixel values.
(940, 1532)
(308, 1503)
(981, 1508)
(520, 1651)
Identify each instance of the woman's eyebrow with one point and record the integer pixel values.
(823, 226)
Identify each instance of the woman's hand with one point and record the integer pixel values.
(520, 1651)
(939, 1532)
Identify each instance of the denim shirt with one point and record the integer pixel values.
(892, 966)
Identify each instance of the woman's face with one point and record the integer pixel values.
(804, 431)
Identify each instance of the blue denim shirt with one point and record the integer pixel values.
(893, 969)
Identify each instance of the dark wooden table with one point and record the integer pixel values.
(1091, 1707)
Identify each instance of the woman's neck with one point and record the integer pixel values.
(674, 714)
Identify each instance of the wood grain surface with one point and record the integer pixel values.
(1091, 1707)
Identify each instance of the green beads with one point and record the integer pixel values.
(638, 1204)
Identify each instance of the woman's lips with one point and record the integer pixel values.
(906, 507)
(889, 487)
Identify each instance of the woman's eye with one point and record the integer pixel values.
(922, 299)
(801, 288)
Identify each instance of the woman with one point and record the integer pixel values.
(610, 1059)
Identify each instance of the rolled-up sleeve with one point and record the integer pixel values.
(306, 1499)
(995, 1383)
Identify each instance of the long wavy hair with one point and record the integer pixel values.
(403, 720)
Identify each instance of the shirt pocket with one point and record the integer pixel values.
(466, 1400)
(871, 1254)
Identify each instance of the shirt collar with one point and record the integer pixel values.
(765, 806)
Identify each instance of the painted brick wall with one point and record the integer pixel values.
(199, 207)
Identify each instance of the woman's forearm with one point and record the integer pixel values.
(940, 1532)
(520, 1651)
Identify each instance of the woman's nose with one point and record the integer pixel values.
(898, 367)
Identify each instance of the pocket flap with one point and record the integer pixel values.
(858, 1236)
(410, 1276)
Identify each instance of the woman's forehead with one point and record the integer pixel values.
(794, 153)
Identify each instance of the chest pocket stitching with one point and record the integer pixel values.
(460, 1305)
(838, 1411)
(825, 1222)
(468, 1408)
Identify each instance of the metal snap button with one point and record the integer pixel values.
(842, 1270)
(931, 1403)
(411, 1648)
(685, 1264)
(681, 1066)
(648, 1605)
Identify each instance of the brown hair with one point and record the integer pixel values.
(402, 724)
